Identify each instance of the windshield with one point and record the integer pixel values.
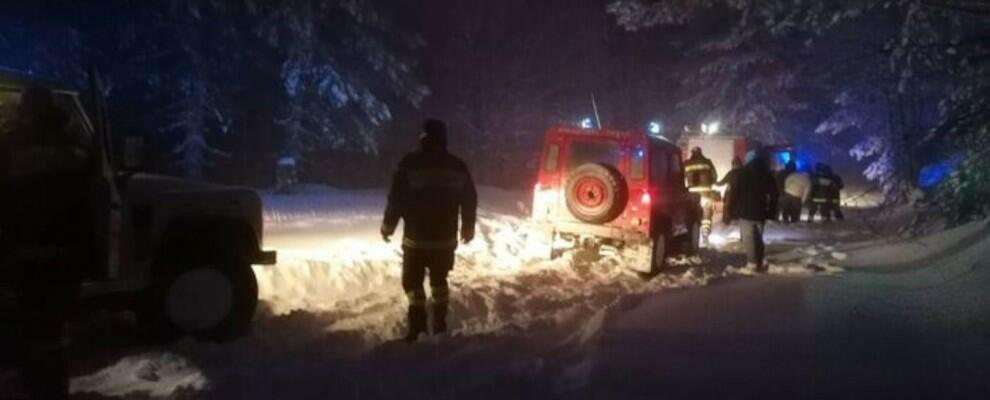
(76, 127)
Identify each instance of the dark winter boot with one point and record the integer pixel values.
(417, 323)
(439, 318)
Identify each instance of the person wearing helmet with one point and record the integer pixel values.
(430, 189)
(821, 192)
(700, 174)
(46, 224)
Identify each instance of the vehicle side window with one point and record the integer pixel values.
(637, 169)
(550, 160)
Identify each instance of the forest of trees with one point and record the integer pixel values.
(900, 84)
(220, 89)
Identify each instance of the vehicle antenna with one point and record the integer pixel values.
(594, 105)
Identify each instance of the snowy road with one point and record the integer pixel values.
(583, 326)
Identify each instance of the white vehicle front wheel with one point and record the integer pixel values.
(199, 299)
(211, 302)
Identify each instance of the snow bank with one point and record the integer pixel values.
(880, 255)
(334, 307)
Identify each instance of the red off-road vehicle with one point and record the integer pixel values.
(601, 186)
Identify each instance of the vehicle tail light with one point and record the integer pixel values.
(646, 199)
(537, 187)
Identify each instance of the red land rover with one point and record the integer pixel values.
(602, 186)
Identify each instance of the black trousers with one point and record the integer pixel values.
(819, 207)
(836, 208)
(416, 264)
(790, 208)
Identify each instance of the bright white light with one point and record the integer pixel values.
(656, 127)
(586, 123)
(710, 128)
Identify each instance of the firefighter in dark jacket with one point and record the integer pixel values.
(701, 176)
(835, 194)
(822, 187)
(430, 190)
(754, 201)
(45, 226)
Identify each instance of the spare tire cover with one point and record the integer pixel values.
(596, 193)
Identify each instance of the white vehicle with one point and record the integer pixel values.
(179, 253)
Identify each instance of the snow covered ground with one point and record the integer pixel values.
(522, 326)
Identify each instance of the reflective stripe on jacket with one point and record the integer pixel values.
(699, 172)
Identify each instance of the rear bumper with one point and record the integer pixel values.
(265, 258)
(600, 231)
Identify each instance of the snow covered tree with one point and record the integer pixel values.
(342, 65)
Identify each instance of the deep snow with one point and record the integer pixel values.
(523, 326)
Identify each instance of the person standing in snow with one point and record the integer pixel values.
(430, 190)
(45, 226)
(700, 174)
(835, 194)
(821, 194)
(786, 201)
(728, 181)
(754, 201)
(797, 191)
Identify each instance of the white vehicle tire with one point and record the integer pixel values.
(208, 302)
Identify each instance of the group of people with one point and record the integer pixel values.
(754, 195)
(820, 190)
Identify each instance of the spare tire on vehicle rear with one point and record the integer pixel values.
(596, 193)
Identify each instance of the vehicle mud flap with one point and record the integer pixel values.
(692, 242)
(658, 253)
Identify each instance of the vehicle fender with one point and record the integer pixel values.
(192, 240)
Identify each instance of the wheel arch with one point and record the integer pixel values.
(194, 240)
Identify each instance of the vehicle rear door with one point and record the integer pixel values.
(667, 174)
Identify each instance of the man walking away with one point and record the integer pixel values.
(430, 189)
(729, 180)
(797, 191)
(701, 175)
(821, 188)
(754, 201)
(835, 194)
(786, 201)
